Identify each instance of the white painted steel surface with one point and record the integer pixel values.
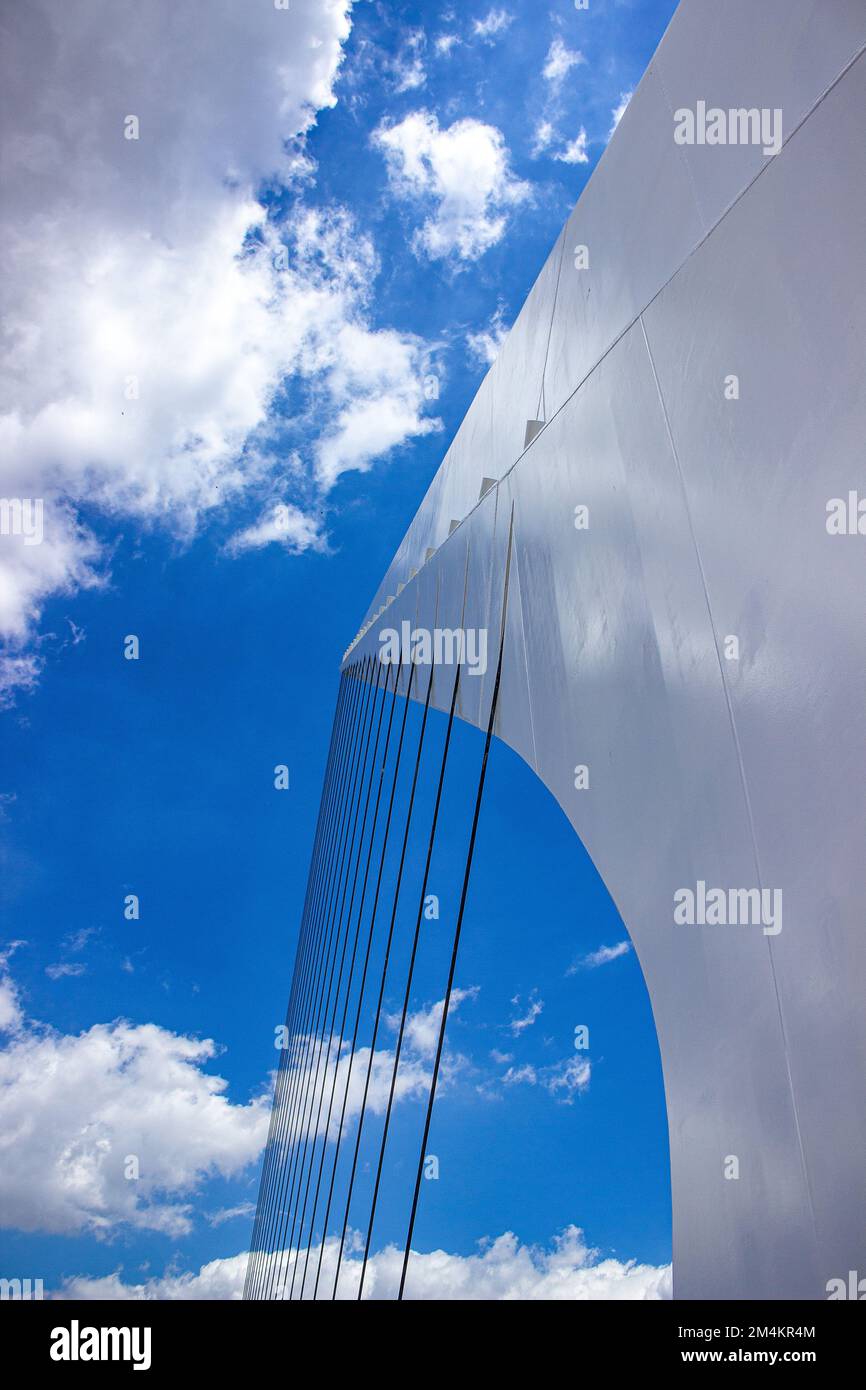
(707, 519)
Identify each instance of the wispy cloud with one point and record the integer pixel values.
(408, 68)
(244, 1209)
(563, 1080)
(619, 111)
(484, 344)
(445, 43)
(602, 956)
(494, 23)
(77, 940)
(65, 969)
(524, 1020)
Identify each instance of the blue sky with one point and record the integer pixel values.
(236, 513)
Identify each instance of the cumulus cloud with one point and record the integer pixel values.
(602, 956)
(74, 1110)
(10, 1008)
(463, 173)
(283, 524)
(153, 308)
(377, 387)
(503, 1269)
(575, 151)
(559, 62)
(11, 1015)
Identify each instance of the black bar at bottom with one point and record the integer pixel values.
(196, 1337)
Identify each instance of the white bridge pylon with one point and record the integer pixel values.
(676, 426)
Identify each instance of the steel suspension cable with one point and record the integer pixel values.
(320, 872)
(457, 930)
(342, 1030)
(339, 713)
(301, 1114)
(399, 1047)
(385, 963)
(361, 991)
(348, 920)
(320, 939)
(312, 1089)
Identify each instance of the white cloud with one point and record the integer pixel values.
(77, 940)
(575, 151)
(619, 111)
(464, 171)
(503, 1269)
(408, 67)
(545, 134)
(559, 62)
(602, 956)
(445, 43)
(283, 524)
(568, 1078)
(66, 968)
(523, 1021)
(150, 323)
(376, 383)
(10, 1009)
(11, 1015)
(485, 344)
(421, 1032)
(411, 75)
(245, 1210)
(516, 1076)
(412, 1083)
(563, 1080)
(494, 23)
(74, 1108)
(414, 1074)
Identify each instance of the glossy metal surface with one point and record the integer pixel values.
(707, 521)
